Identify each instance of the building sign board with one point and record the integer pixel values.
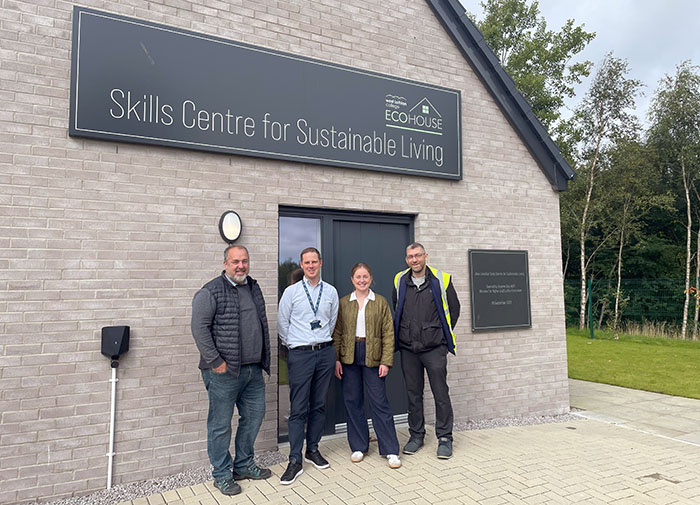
(136, 81)
(500, 289)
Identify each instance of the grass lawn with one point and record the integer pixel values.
(652, 364)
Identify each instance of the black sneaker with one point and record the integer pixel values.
(316, 458)
(293, 471)
(412, 445)
(444, 450)
(227, 486)
(253, 472)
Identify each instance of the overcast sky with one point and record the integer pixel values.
(654, 36)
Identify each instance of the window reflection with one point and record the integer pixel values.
(295, 235)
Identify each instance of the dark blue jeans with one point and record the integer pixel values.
(310, 375)
(356, 377)
(247, 392)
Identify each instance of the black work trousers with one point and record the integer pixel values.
(434, 362)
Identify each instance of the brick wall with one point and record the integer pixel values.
(96, 233)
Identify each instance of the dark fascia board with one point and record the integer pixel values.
(517, 110)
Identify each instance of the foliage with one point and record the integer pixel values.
(675, 127)
(633, 193)
(638, 221)
(675, 113)
(628, 218)
(651, 364)
(606, 111)
(633, 186)
(603, 117)
(675, 134)
(538, 59)
(284, 272)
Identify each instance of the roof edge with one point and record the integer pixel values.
(517, 110)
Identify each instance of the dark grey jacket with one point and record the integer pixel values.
(418, 323)
(216, 324)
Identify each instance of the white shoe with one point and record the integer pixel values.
(357, 456)
(394, 461)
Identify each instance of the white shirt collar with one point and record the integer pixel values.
(370, 296)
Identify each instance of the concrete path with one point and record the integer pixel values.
(591, 461)
(664, 415)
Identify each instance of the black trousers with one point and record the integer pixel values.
(434, 362)
(310, 373)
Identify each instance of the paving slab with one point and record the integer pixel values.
(630, 454)
(654, 413)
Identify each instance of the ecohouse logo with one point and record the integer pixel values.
(413, 123)
(423, 117)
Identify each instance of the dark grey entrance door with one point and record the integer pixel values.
(348, 237)
(383, 247)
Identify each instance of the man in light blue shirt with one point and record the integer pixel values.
(305, 320)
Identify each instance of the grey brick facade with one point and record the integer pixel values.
(96, 233)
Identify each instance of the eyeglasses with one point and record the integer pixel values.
(415, 256)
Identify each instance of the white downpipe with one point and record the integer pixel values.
(110, 454)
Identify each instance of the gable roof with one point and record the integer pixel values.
(517, 110)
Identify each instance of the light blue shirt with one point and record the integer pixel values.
(294, 315)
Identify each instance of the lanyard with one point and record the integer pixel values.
(308, 296)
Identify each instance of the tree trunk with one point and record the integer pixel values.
(603, 309)
(695, 281)
(582, 311)
(697, 275)
(688, 240)
(616, 317)
(584, 217)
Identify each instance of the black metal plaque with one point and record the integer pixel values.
(500, 289)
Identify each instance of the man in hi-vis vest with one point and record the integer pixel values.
(427, 309)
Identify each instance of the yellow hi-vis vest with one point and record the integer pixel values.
(443, 279)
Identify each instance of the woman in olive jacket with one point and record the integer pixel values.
(364, 346)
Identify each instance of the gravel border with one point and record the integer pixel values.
(516, 421)
(134, 490)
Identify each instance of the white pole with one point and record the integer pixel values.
(110, 454)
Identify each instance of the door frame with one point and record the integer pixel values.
(327, 218)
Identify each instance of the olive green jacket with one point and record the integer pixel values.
(379, 329)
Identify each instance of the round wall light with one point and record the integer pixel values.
(230, 226)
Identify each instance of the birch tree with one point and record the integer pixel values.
(675, 131)
(605, 113)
